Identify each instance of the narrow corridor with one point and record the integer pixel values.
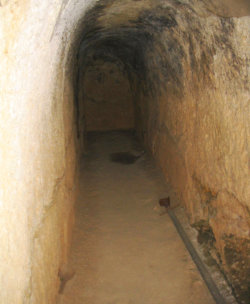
(123, 251)
(175, 71)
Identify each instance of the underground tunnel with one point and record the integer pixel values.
(81, 80)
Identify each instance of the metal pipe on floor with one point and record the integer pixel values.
(219, 299)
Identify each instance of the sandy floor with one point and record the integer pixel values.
(123, 251)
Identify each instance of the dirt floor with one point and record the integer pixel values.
(124, 250)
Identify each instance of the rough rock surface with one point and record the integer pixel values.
(37, 145)
(188, 66)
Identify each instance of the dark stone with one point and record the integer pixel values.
(237, 258)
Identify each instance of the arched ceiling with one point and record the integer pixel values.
(144, 35)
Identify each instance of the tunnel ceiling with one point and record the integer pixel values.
(131, 33)
(137, 34)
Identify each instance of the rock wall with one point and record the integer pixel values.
(198, 130)
(37, 146)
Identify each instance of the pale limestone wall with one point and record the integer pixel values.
(37, 146)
